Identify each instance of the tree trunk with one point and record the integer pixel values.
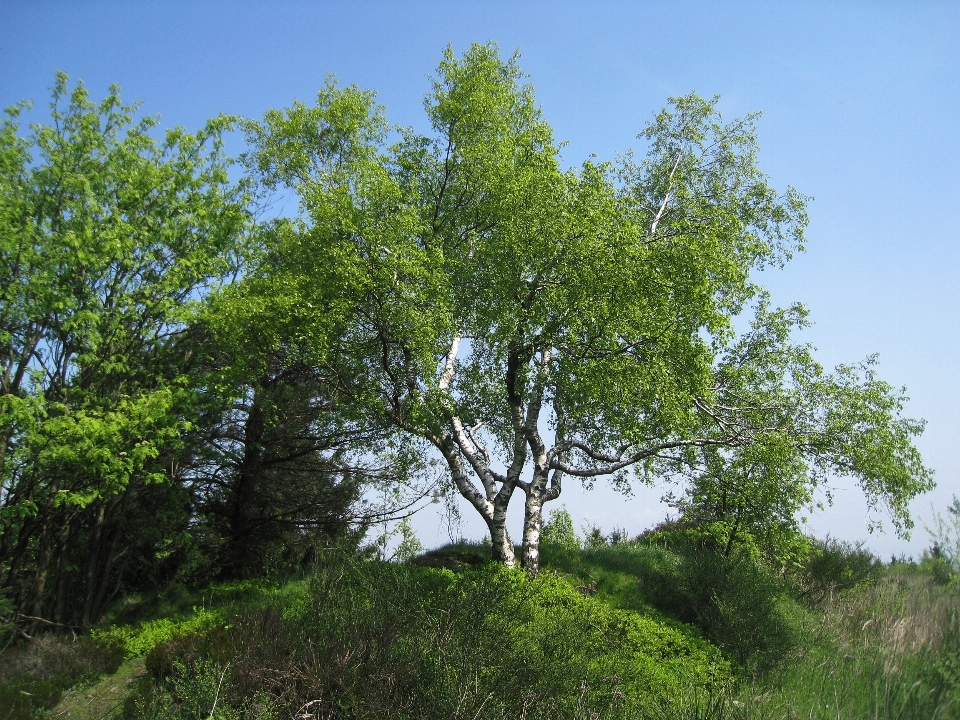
(19, 553)
(245, 490)
(93, 563)
(501, 544)
(43, 564)
(107, 560)
(733, 534)
(60, 592)
(116, 587)
(24, 531)
(532, 522)
(45, 551)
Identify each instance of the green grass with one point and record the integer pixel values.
(887, 650)
(868, 642)
(630, 631)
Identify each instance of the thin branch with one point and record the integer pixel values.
(666, 196)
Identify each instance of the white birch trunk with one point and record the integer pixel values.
(502, 549)
(532, 523)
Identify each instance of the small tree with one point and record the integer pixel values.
(558, 530)
(788, 426)
(534, 323)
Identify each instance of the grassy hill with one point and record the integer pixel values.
(647, 628)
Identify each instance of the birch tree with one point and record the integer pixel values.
(532, 323)
(786, 429)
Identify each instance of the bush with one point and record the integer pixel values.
(593, 537)
(945, 534)
(738, 603)
(832, 566)
(195, 691)
(381, 640)
(138, 640)
(939, 568)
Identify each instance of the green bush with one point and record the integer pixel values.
(738, 603)
(593, 537)
(833, 566)
(366, 639)
(194, 691)
(140, 639)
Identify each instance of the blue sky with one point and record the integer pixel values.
(860, 102)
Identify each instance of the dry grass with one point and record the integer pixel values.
(34, 675)
(884, 651)
(103, 700)
(901, 615)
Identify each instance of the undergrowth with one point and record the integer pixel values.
(889, 650)
(430, 643)
(642, 629)
(33, 676)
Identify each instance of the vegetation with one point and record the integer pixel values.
(631, 629)
(204, 408)
(468, 292)
(143, 438)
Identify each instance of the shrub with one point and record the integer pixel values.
(138, 640)
(832, 566)
(382, 640)
(558, 531)
(939, 568)
(195, 690)
(593, 537)
(738, 603)
(945, 534)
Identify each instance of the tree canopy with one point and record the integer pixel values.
(533, 322)
(107, 236)
(140, 440)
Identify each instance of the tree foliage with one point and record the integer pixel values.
(118, 395)
(108, 236)
(533, 322)
(791, 428)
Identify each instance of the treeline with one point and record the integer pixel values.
(143, 436)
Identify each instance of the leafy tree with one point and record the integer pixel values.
(533, 323)
(284, 461)
(108, 235)
(558, 530)
(788, 427)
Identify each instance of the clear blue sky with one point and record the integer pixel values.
(861, 109)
